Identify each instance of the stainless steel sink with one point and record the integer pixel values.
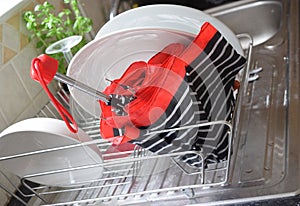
(266, 160)
(261, 19)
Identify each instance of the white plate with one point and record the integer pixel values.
(36, 134)
(167, 16)
(110, 56)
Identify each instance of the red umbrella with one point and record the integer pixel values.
(180, 86)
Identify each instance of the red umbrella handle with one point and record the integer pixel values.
(43, 69)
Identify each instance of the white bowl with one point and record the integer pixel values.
(36, 134)
(110, 56)
(167, 16)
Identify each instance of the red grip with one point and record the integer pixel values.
(48, 67)
(43, 70)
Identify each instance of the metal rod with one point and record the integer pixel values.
(82, 87)
(12, 194)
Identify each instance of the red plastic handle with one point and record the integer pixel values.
(43, 69)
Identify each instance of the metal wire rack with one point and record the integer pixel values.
(136, 176)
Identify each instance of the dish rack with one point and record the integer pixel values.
(137, 176)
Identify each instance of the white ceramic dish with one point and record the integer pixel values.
(37, 134)
(110, 56)
(166, 16)
(117, 45)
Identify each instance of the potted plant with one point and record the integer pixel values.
(47, 26)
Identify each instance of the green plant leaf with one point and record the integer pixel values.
(38, 7)
(28, 16)
(60, 29)
(64, 12)
(29, 26)
(38, 34)
(61, 14)
(39, 44)
(68, 23)
(48, 25)
(46, 4)
(40, 15)
(57, 21)
(51, 33)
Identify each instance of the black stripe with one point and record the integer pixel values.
(116, 132)
(169, 137)
(203, 94)
(206, 50)
(209, 101)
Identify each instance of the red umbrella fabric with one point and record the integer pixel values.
(181, 85)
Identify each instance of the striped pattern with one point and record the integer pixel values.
(211, 76)
(181, 112)
(205, 95)
(203, 92)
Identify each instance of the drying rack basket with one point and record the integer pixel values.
(137, 177)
